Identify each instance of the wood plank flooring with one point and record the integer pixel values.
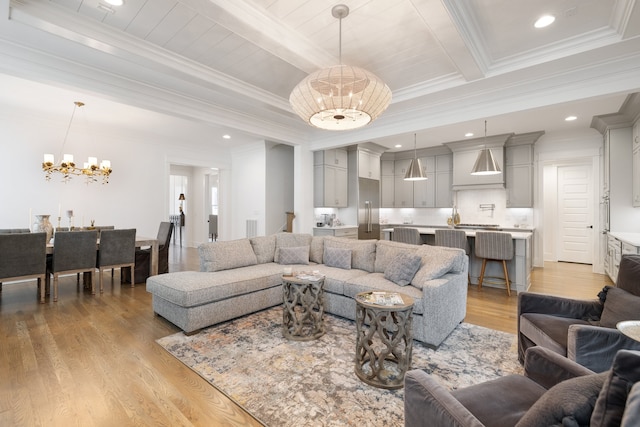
(93, 361)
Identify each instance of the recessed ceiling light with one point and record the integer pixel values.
(226, 136)
(398, 145)
(570, 118)
(544, 21)
(468, 134)
(115, 2)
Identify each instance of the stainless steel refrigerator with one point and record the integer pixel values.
(368, 208)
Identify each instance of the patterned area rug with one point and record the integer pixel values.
(312, 383)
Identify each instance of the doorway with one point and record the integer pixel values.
(575, 214)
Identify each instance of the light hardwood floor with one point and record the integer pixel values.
(93, 361)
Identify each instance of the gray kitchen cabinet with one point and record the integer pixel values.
(424, 192)
(403, 190)
(368, 165)
(519, 173)
(330, 181)
(444, 178)
(387, 183)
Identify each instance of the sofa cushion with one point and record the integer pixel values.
(624, 373)
(336, 278)
(363, 252)
(619, 305)
(316, 251)
(438, 261)
(225, 255)
(194, 288)
(290, 240)
(264, 247)
(568, 403)
(387, 250)
(377, 282)
(294, 255)
(337, 257)
(402, 269)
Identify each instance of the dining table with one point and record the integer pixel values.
(141, 241)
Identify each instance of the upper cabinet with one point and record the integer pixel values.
(330, 180)
(519, 169)
(368, 165)
(434, 192)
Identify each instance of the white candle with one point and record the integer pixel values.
(59, 210)
(30, 222)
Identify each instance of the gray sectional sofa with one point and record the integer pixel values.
(244, 276)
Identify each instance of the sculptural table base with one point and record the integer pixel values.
(303, 309)
(384, 342)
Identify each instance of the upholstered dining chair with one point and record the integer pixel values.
(407, 235)
(494, 246)
(143, 257)
(452, 238)
(74, 252)
(24, 256)
(117, 250)
(14, 230)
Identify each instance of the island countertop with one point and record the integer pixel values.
(518, 235)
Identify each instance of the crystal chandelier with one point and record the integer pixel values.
(92, 171)
(340, 97)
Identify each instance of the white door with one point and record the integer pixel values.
(575, 209)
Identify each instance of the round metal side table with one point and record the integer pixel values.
(384, 342)
(303, 309)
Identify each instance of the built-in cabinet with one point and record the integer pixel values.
(342, 231)
(618, 245)
(636, 164)
(368, 165)
(330, 178)
(433, 192)
(519, 172)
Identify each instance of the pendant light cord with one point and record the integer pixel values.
(64, 141)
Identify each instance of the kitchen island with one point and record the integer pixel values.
(519, 267)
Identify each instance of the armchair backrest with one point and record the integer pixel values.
(22, 254)
(629, 274)
(407, 235)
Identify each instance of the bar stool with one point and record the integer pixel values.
(451, 238)
(494, 246)
(407, 235)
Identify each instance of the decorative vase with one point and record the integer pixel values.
(42, 224)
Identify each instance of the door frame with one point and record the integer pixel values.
(548, 202)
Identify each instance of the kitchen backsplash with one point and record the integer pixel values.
(473, 206)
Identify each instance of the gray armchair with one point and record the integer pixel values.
(553, 391)
(117, 250)
(75, 252)
(143, 257)
(583, 330)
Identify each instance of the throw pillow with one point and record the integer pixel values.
(631, 417)
(436, 262)
(290, 240)
(402, 269)
(317, 249)
(619, 305)
(299, 255)
(624, 373)
(337, 257)
(216, 256)
(569, 403)
(387, 250)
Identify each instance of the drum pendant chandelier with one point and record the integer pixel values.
(341, 97)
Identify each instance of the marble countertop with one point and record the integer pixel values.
(630, 238)
(470, 233)
(500, 228)
(336, 227)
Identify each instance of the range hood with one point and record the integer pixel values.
(465, 154)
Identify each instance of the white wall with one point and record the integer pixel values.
(279, 186)
(248, 189)
(137, 195)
